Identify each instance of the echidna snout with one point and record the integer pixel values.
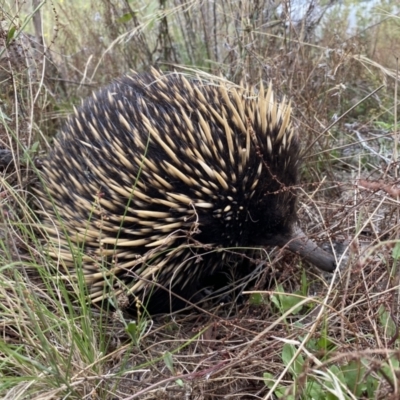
(164, 179)
(300, 244)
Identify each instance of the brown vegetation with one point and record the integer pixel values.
(309, 334)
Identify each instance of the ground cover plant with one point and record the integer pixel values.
(306, 335)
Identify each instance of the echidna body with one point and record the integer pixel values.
(158, 178)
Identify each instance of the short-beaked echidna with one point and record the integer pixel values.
(161, 178)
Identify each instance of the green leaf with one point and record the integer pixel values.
(324, 342)
(284, 301)
(387, 322)
(10, 35)
(371, 386)
(304, 283)
(179, 382)
(314, 390)
(336, 371)
(169, 361)
(132, 329)
(352, 373)
(275, 298)
(395, 361)
(288, 352)
(390, 370)
(269, 379)
(396, 251)
(125, 18)
(280, 390)
(257, 299)
(31, 151)
(4, 117)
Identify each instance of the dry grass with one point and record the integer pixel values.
(310, 336)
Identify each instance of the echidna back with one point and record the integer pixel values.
(160, 180)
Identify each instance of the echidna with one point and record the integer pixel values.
(163, 180)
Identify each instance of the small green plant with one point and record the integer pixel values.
(170, 365)
(137, 329)
(345, 381)
(285, 302)
(312, 374)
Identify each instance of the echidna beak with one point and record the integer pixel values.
(300, 244)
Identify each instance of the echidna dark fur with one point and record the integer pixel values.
(157, 176)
